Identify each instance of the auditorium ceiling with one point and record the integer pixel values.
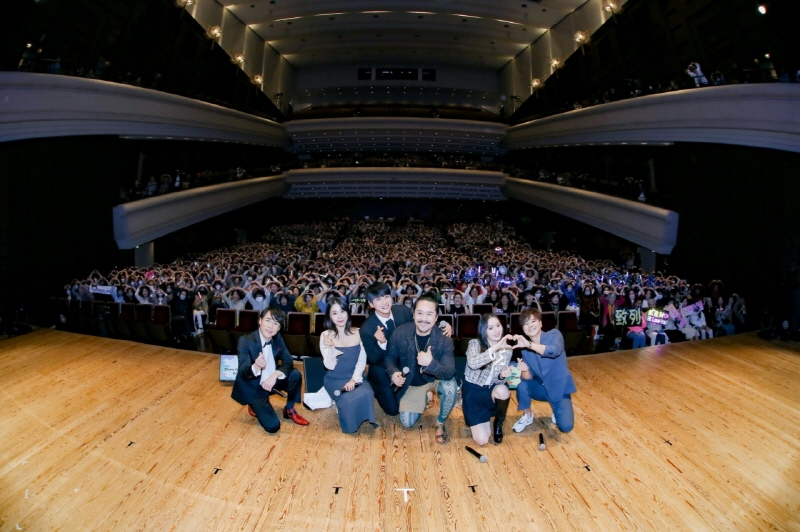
(474, 33)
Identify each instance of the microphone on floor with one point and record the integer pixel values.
(337, 393)
(542, 446)
(476, 454)
(406, 371)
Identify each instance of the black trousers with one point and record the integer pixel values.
(264, 411)
(382, 387)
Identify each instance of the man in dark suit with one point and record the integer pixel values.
(425, 350)
(375, 333)
(265, 366)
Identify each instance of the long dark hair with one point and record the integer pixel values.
(483, 326)
(329, 325)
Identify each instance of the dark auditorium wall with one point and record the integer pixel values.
(651, 42)
(154, 40)
(56, 197)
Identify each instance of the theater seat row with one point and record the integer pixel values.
(126, 321)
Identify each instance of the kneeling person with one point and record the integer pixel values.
(545, 374)
(485, 393)
(344, 356)
(428, 354)
(265, 366)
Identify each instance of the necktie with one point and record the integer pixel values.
(389, 327)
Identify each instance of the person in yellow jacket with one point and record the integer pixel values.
(307, 302)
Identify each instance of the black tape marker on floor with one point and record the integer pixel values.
(587, 468)
(217, 470)
(473, 488)
(131, 443)
(337, 488)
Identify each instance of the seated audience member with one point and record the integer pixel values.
(739, 312)
(234, 299)
(345, 358)
(589, 305)
(282, 302)
(181, 310)
(528, 301)
(199, 311)
(428, 354)
(307, 303)
(697, 319)
(507, 304)
(608, 307)
(265, 367)
(454, 303)
(484, 391)
(144, 296)
(216, 301)
(257, 296)
(723, 316)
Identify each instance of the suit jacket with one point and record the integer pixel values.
(375, 354)
(247, 384)
(402, 352)
(550, 368)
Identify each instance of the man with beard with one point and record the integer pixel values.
(375, 333)
(428, 354)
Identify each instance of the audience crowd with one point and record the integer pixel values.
(401, 160)
(628, 188)
(184, 180)
(692, 77)
(303, 267)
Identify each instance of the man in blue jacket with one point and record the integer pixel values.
(545, 375)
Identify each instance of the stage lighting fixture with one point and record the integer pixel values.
(762, 9)
(580, 37)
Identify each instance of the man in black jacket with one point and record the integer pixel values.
(375, 333)
(428, 354)
(265, 366)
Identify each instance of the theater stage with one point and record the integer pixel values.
(102, 434)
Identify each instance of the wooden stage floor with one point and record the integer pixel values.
(100, 434)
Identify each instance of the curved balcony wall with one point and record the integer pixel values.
(46, 105)
(138, 222)
(757, 115)
(645, 225)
